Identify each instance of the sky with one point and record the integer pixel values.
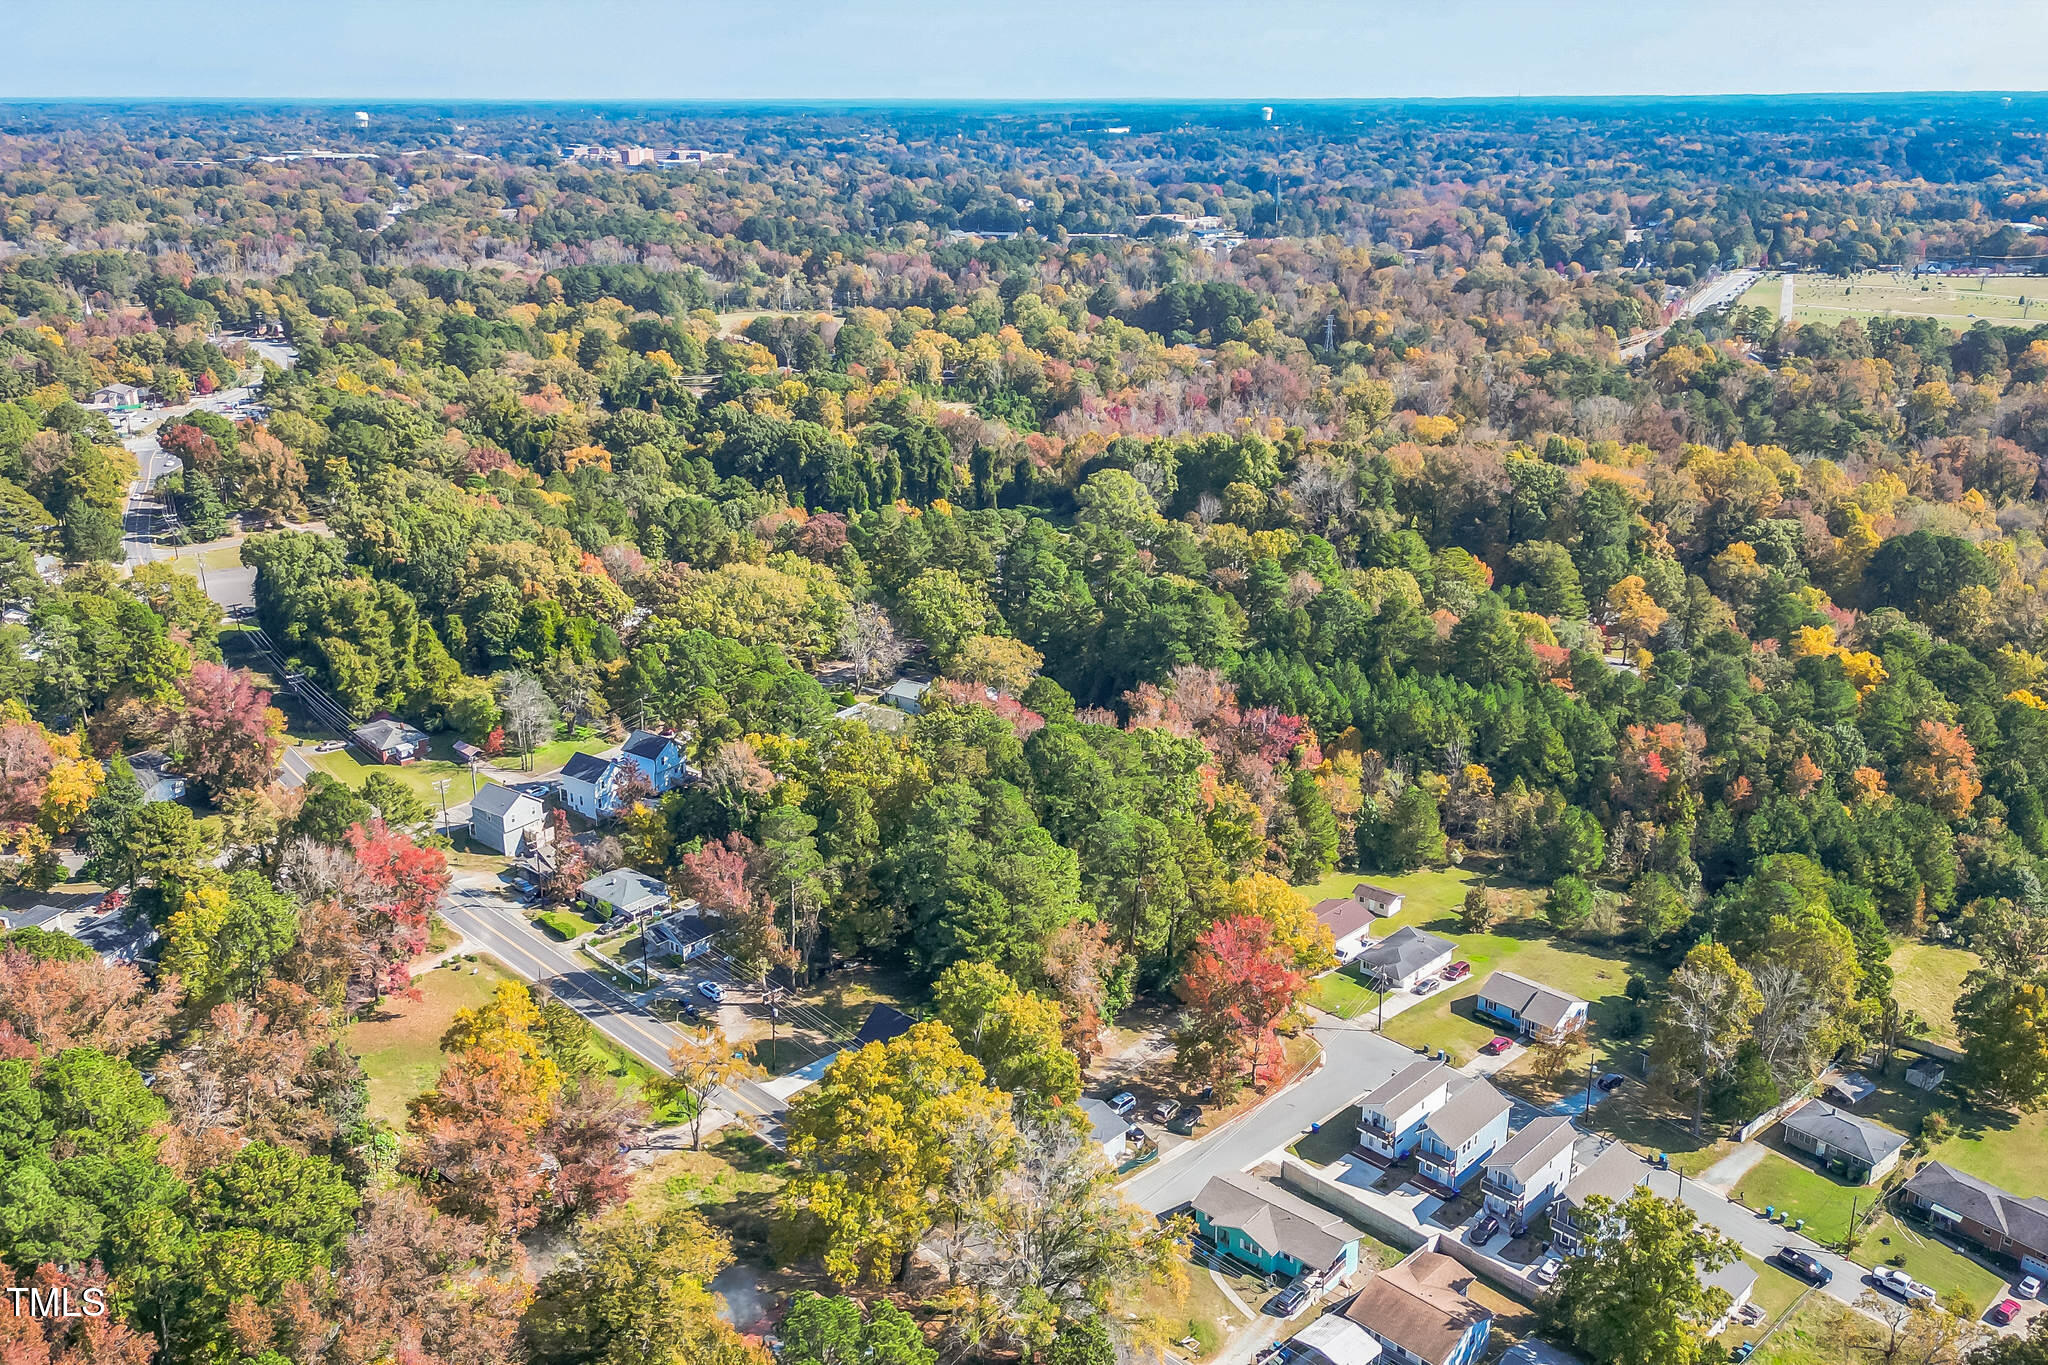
(1000, 49)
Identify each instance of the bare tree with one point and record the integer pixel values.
(1791, 1025)
(1322, 493)
(871, 643)
(530, 715)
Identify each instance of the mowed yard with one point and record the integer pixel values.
(1955, 301)
(1926, 978)
(346, 766)
(399, 1042)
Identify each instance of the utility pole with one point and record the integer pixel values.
(441, 786)
(1589, 1088)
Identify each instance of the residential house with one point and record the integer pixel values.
(1349, 921)
(1739, 1282)
(682, 933)
(623, 891)
(1107, 1129)
(389, 740)
(659, 758)
(1532, 1167)
(1926, 1074)
(512, 822)
(1331, 1339)
(153, 772)
(907, 696)
(1381, 900)
(1404, 957)
(1274, 1230)
(1976, 1211)
(1529, 1007)
(1613, 1175)
(590, 786)
(117, 396)
(1461, 1134)
(1420, 1312)
(1390, 1117)
(1854, 1148)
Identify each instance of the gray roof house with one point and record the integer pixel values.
(1529, 1006)
(1531, 1167)
(1853, 1147)
(1462, 1132)
(1106, 1127)
(624, 891)
(1270, 1227)
(907, 696)
(1614, 1175)
(1962, 1205)
(1405, 956)
(513, 822)
(389, 740)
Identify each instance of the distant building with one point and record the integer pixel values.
(1383, 901)
(659, 758)
(117, 396)
(1926, 1074)
(512, 822)
(1852, 1089)
(1404, 957)
(876, 716)
(1614, 1175)
(1530, 1169)
(1274, 1230)
(1854, 1148)
(1529, 1007)
(883, 1023)
(1740, 1283)
(1421, 1314)
(153, 772)
(590, 786)
(623, 891)
(389, 740)
(907, 696)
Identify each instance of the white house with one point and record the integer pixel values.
(590, 786)
(1107, 1129)
(1405, 956)
(1381, 900)
(1535, 1164)
(1349, 921)
(1390, 1118)
(907, 696)
(117, 396)
(512, 822)
(1529, 1007)
(1461, 1134)
(659, 758)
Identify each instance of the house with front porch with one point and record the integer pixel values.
(1529, 1007)
(1613, 1175)
(1390, 1117)
(1854, 1148)
(1404, 957)
(1462, 1133)
(1535, 1164)
(1273, 1230)
(2005, 1225)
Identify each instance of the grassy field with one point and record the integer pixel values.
(1801, 1192)
(344, 766)
(565, 924)
(1821, 1331)
(1955, 301)
(1890, 1242)
(2010, 1151)
(1635, 1118)
(1337, 1135)
(1429, 895)
(400, 1043)
(1342, 994)
(1926, 978)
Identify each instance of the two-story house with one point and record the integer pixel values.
(1613, 1175)
(659, 758)
(1421, 1314)
(1534, 1165)
(513, 822)
(1529, 1007)
(1390, 1117)
(1461, 1134)
(590, 786)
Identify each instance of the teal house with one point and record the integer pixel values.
(1274, 1230)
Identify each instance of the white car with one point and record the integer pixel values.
(1895, 1281)
(2028, 1288)
(1548, 1272)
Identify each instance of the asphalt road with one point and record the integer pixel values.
(1354, 1061)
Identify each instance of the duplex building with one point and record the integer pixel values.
(1977, 1211)
(513, 822)
(1404, 957)
(1613, 1175)
(1854, 1148)
(1532, 1167)
(1529, 1007)
(1469, 1126)
(1421, 1312)
(1390, 1117)
(1274, 1230)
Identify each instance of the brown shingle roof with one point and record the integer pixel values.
(1419, 1305)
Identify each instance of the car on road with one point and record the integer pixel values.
(2003, 1312)
(1166, 1111)
(1483, 1232)
(1895, 1281)
(1290, 1300)
(2029, 1287)
(1612, 1081)
(1548, 1272)
(711, 991)
(1123, 1103)
(1457, 971)
(1803, 1264)
(1426, 985)
(1497, 1046)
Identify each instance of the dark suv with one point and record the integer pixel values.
(1805, 1266)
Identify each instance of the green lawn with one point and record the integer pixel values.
(1944, 1269)
(1821, 1331)
(565, 924)
(1634, 1116)
(1775, 1293)
(1340, 993)
(344, 766)
(1431, 894)
(1782, 1183)
(1926, 978)
(1954, 302)
(399, 1042)
(2010, 1151)
(1338, 1135)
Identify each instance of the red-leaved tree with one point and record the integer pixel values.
(401, 884)
(228, 732)
(1237, 984)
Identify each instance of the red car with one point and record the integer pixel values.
(2004, 1311)
(1457, 971)
(1498, 1046)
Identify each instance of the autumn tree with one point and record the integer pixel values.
(1942, 771)
(49, 1004)
(229, 735)
(1237, 984)
(1015, 1034)
(700, 1066)
(1710, 1005)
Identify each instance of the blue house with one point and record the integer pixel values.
(1274, 1230)
(1456, 1139)
(1391, 1115)
(659, 758)
(1420, 1313)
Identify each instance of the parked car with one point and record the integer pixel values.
(1483, 1233)
(1497, 1046)
(711, 991)
(1123, 1103)
(1290, 1300)
(1426, 985)
(1613, 1081)
(2003, 1312)
(1893, 1280)
(1742, 1352)
(1457, 971)
(1551, 1268)
(1184, 1123)
(1165, 1111)
(2029, 1287)
(1803, 1264)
